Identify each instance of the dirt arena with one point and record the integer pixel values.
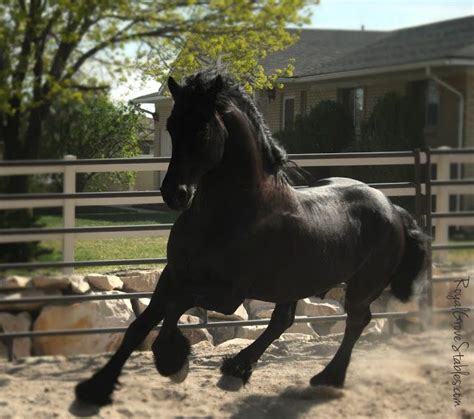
(404, 376)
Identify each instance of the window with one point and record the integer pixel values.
(288, 112)
(432, 103)
(353, 101)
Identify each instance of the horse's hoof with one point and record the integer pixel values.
(325, 379)
(229, 383)
(233, 367)
(94, 392)
(181, 375)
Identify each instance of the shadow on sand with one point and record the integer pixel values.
(290, 404)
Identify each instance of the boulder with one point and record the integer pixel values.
(239, 314)
(259, 309)
(194, 335)
(104, 282)
(302, 328)
(249, 332)
(316, 307)
(87, 314)
(140, 281)
(10, 323)
(337, 293)
(46, 281)
(23, 294)
(239, 342)
(14, 282)
(285, 337)
(78, 284)
(221, 334)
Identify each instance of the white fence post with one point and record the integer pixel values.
(69, 213)
(443, 172)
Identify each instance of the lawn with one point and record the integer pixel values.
(143, 247)
(116, 248)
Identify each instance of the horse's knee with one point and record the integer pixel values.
(171, 354)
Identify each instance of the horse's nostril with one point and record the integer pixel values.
(181, 194)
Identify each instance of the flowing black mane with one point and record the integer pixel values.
(274, 156)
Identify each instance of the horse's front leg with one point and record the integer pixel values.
(241, 365)
(171, 348)
(98, 389)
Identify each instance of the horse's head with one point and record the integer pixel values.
(197, 137)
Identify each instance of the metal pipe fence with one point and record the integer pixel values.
(422, 189)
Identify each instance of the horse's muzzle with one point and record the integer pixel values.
(179, 199)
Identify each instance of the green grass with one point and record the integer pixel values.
(142, 247)
(103, 249)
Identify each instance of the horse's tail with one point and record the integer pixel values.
(414, 259)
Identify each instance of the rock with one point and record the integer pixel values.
(239, 314)
(194, 335)
(45, 281)
(302, 328)
(87, 314)
(14, 282)
(235, 342)
(79, 285)
(140, 281)
(249, 332)
(316, 307)
(295, 336)
(10, 323)
(337, 294)
(377, 326)
(259, 309)
(336, 327)
(104, 282)
(139, 305)
(23, 294)
(221, 334)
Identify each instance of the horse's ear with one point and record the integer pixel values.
(216, 87)
(174, 87)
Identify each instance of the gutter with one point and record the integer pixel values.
(461, 103)
(379, 70)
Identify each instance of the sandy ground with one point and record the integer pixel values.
(404, 376)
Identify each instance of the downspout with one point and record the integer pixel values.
(460, 122)
(461, 104)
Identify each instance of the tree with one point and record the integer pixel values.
(94, 127)
(50, 51)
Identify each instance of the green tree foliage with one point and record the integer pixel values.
(326, 128)
(52, 50)
(95, 128)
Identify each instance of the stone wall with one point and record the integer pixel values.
(121, 312)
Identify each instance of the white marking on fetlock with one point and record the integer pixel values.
(181, 375)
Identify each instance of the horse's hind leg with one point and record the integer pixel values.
(240, 366)
(359, 295)
(335, 372)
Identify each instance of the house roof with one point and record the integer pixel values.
(333, 52)
(323, 52)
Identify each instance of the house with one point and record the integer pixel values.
(434, 63)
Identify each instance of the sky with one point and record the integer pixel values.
(348, 14)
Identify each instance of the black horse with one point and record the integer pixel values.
(245, 232)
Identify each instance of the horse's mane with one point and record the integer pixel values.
(275, 159)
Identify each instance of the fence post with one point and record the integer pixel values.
(69, 213)
(442, 205)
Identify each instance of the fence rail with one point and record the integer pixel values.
(69, 199)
